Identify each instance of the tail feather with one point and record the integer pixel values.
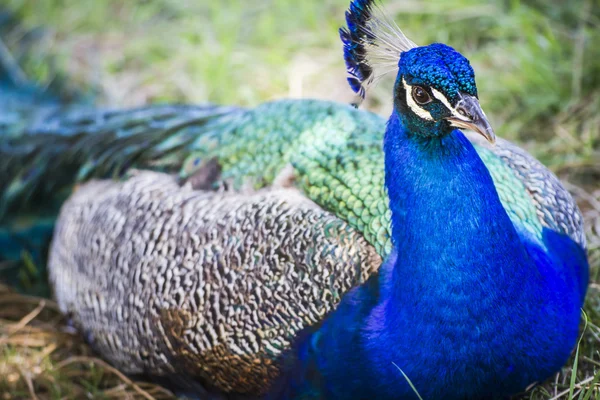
(50, 140)
(43, 161)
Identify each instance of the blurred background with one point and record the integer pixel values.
(538, 71)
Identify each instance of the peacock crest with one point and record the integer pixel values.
(372, 44)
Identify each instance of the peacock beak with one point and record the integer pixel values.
(469, 115)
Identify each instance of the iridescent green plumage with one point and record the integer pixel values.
(335, 151)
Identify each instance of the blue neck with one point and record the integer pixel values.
(448, 223)
(454, 304)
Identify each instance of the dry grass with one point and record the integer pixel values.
(42, 358)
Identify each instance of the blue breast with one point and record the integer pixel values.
(467, 306)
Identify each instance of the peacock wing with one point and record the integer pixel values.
(330, 151)
(533, 196)
(163, 278)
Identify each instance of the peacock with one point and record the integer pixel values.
(304, 248)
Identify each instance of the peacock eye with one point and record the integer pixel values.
(420, 95)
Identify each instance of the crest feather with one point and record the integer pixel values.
(372, 44)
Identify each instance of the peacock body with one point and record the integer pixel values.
(240, 251)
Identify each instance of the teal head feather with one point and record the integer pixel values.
(435, 92)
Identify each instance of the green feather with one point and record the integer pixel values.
(334, 149)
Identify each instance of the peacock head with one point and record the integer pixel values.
(435, 90)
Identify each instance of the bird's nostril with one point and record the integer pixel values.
(462, 111)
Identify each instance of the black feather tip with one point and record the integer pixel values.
(354, 38)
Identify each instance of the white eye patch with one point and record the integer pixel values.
(423, 113)
(420, 111)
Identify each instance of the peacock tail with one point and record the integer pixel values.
(333, 152)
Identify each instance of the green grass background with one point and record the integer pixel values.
(537, 65)
(537, 62)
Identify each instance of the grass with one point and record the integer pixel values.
(538, 71)
(41, 358)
